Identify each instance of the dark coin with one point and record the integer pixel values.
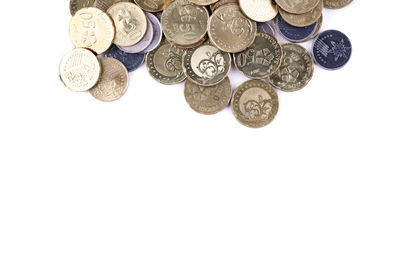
(131, 61)
(266, 27)
(292, 33)
(331, 49)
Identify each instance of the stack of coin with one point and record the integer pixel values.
(197, 41)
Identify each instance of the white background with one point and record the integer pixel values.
(147, 182)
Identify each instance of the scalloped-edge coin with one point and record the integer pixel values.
(335, 4)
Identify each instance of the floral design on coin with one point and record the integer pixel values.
(297, 6)
(75, 5)
(335, 4)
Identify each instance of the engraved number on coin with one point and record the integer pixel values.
(89, 36)
(128, 23)
(262, 57)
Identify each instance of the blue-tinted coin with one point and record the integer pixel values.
(331, 49)
(292, 33)
(266, 27)
(131, 61)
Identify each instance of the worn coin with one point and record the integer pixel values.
(106, 4)
(335, 4)
(75, 5)
(302, 20)
(203, 2)
(79, 69)
(130, 23)
(230, 30)
(259, 10)
(114, 80)
(332, 49)
(296, 70)
(266, 27)
(142, 44)
(188, 46)
(152, 5)
(292, 33)
(208, 99)
(255, 103)
(206, 65)
(297, 6)
(165, 63)
(220, 3)
(184, 23)
(131, 61)
(157, 32)
(261, 59)
(91, 28)
(319, 26)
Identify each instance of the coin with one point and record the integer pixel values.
(302, 20)
(297, 6)
(142, 44)
(130, 23)
(114, 80)
(152, 5)
(255, 103)
(208, 99)
(203, 2)
(131, 61)
(335, 4)
(75, 5)
(261, 59)
(106, 4)
(296, 70)
(91, 28)
(188, 46)
(331, 49)
(292, 33)
(319, 25)
(184, 23)
(157, 32)
(206, 65)
(165, 63)
(220, 3)
(79, 69)
(229, 30)
(259, 10)
(266, 27)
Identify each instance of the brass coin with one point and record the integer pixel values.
(113, 81)
(184, 23)
(220, 3)
(79, 69)
(318, 29)
(335, 4)
(208, 99)
(206, 65)
(255, 103)
(130, 23)
(259, 10)
(152, 5)
(189, 46)
(165, 63)
(203, 2)
(261, 59)
(229, 30)
(296, 70)
(297, 6)
(92, 28)
(303, 20)
(106, 4)
(75, 5)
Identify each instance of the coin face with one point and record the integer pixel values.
(152, 5)
(259, 10)
(79, 69)
(302, 20)
(206, 65)
(220, 3)
(113, 81)
(231, 31)
(335, 4)
(261, 59)
(92, 28)
(332, 49)
(106, 4)
(165, 63)
(75, 5)
(142, 44)
(130, 23)
(208, 99)
(296, 70)
(297, 6)
(255, 103)
(131, 61)
(184, 23)
(157, 32)
(203, 2)
(292, 33)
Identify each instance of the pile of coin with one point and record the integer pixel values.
(198, 41)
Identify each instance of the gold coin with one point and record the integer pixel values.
(130, 23)
(114, 80)
(255, 103)
(79, 69)
(106, 4)
(220, 3)
(318, 29)
(75, 5)
(152, 5)
(259, 10)
(230, 30)
(92, 28)
(303, 20)
(297, 6)
(203, 2)
(184, 23)
(335, 4)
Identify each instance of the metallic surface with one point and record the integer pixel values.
(259, 10)
(157, 32)
(142, 44)
(292, 33)
(266, 27)
(302, 20)
(152, 5)
(335, 4)
(297, 6)
(75, 5)
(131, 61)
(203, 2)
(220, 3)
(317, 30)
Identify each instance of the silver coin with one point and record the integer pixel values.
(157, 32)
(142, 44)
(267, 26)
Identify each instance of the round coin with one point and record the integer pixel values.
(142, 44)
(302, 20)
(231, 31)
(259, 10)
(114, 81)
(220, 3)
(91, 28)
(266, 27)
(335, 4)
(157, 32)
(165, 63)
(255, 103)
(106, 4)
(79, 69)
(184, 23)
(208, 99)
(292, 33)
(206, 65)
(297, 6)
(261, 59)
(131, 61)
(130, 23)
(203, 2)
(296, 70)
(152, 5)
(75, 5)
(319, 26)
(332, 49)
